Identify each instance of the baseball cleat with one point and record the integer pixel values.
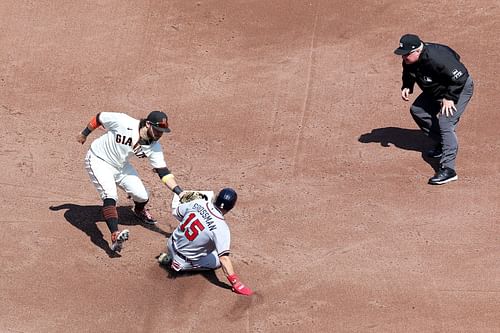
(118, 238)
(443, 176)
(145, 216)
(164, 259)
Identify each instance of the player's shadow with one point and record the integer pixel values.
(403, 138)
(209, 275)
(86, 217)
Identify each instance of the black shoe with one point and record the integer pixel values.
(435, 152)
(145, 216)
(443, 176)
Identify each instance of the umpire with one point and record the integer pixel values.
(446, 88)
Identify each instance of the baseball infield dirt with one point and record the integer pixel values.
(295, 104)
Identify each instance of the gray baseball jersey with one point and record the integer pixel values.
(202, 230)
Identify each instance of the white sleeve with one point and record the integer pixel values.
(109, 120)
(155, 155)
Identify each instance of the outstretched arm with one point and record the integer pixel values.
(238, 286)
(92, 125)
(168, 179)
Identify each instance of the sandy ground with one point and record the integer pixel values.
(296, 105)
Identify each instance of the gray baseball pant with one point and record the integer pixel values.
(425, 111)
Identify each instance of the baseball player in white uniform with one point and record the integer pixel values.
(107, 163)
(202, 239)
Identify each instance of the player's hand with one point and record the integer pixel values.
(81, 138)
(238, 287)
(447, 107)
(241, 289)
(405, 94)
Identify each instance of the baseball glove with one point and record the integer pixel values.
(192, 195)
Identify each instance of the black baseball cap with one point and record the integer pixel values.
(408, 43)
(159, 120)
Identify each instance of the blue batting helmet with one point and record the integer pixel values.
(226, 199)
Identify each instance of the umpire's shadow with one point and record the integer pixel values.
(403, 138)
(85, 218)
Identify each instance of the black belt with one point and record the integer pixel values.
(177, 252)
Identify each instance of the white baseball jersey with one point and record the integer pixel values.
(122, 141)
(202, 230)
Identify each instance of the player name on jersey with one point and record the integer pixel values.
(206, 216)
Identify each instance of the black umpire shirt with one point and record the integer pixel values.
(438, 72)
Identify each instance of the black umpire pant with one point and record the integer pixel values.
(426, 113)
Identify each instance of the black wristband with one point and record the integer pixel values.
(86, 131)
(177, 190)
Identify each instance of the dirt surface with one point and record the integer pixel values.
(295, 104)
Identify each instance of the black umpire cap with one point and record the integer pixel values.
(159, 120)
(408, 43)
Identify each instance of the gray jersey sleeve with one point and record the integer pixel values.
(222, 239)
(181, 210)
